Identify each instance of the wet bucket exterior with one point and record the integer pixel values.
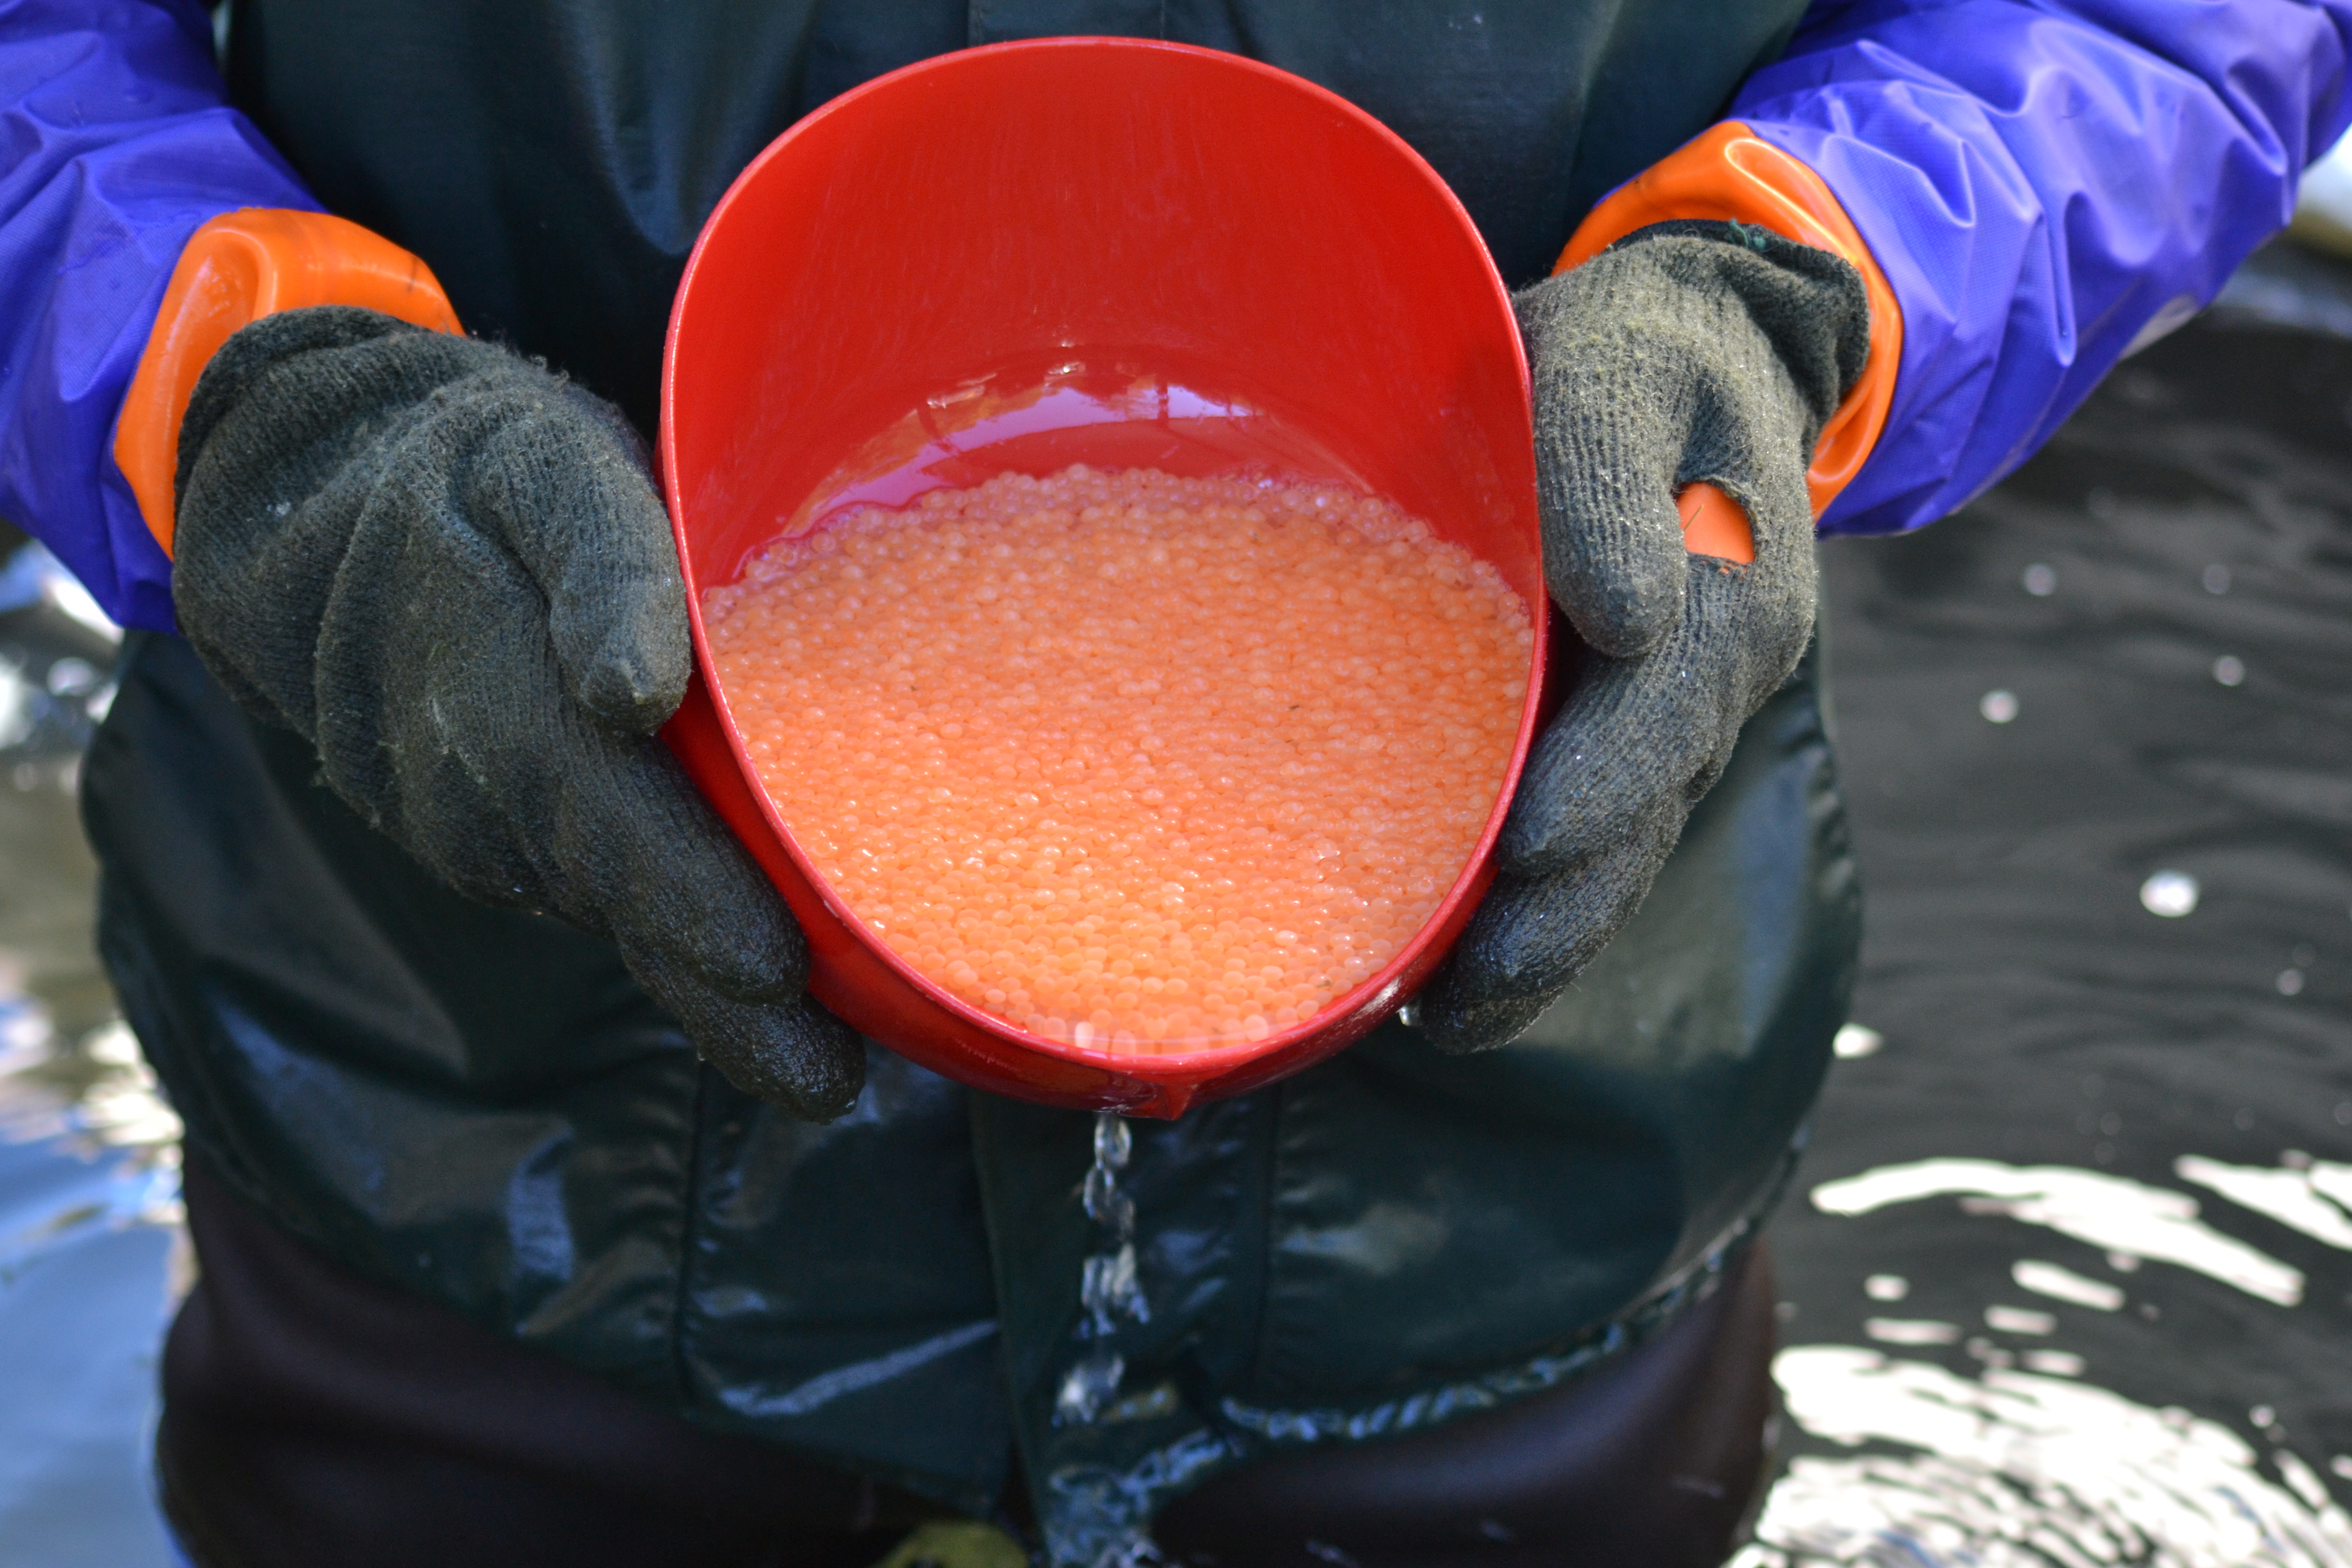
(1096, 215)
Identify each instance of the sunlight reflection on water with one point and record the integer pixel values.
(2027, 1470)
(92, 1108)
(2112, 1212)
(2017, 1469)
(94, 1258)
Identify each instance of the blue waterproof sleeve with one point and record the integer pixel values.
(116, 141)
(2040, 180)
(2043, 183)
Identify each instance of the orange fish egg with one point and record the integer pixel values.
(1133, 761)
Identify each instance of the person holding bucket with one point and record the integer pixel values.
(542, 1216)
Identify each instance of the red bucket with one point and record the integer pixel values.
(1094, 250)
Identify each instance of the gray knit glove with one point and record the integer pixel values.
(1687, 351)
(447, 569)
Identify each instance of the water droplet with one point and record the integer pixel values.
(2217, 578)
(1107, 1205)
(2041, 580)
(72, 677)
(1997, 707)
(1089, 1387)
(2172, 894)
(2020, 1319)
(2229, 670)
(1106, 1286)
(1911, 1331)
(15, 706)
(1856, 1040)
(2065, 1285)
(2290, 983)
(1887, 1286)
(1113, 1140)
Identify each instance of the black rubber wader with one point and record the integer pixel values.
(473, 1107)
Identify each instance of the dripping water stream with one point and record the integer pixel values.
(1108, 1289)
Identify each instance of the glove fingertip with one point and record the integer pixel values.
(804, 1061)
(566, 482)
(1536, 843)
(792, 1055)
(624, 639)
(1457, 1028)
(1625, 606)
(1543, 834)
(742, 1004)
(633, 683)
(1638, 616)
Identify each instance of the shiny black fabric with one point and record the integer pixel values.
(312, 1416)
(1659, 1460)
(553, 160)
(477, 1106)
(480, 1106)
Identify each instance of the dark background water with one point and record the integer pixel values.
(2192, 526)
(2165, 597)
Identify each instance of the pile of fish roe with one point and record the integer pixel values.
(1132, 762)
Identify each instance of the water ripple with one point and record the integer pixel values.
(2015, 1470)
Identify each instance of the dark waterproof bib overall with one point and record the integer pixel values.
(478, 1106)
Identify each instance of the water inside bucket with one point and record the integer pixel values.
(787, 640)
(1214, 749)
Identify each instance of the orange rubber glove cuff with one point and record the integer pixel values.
(237, 269)
(1727, 174)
